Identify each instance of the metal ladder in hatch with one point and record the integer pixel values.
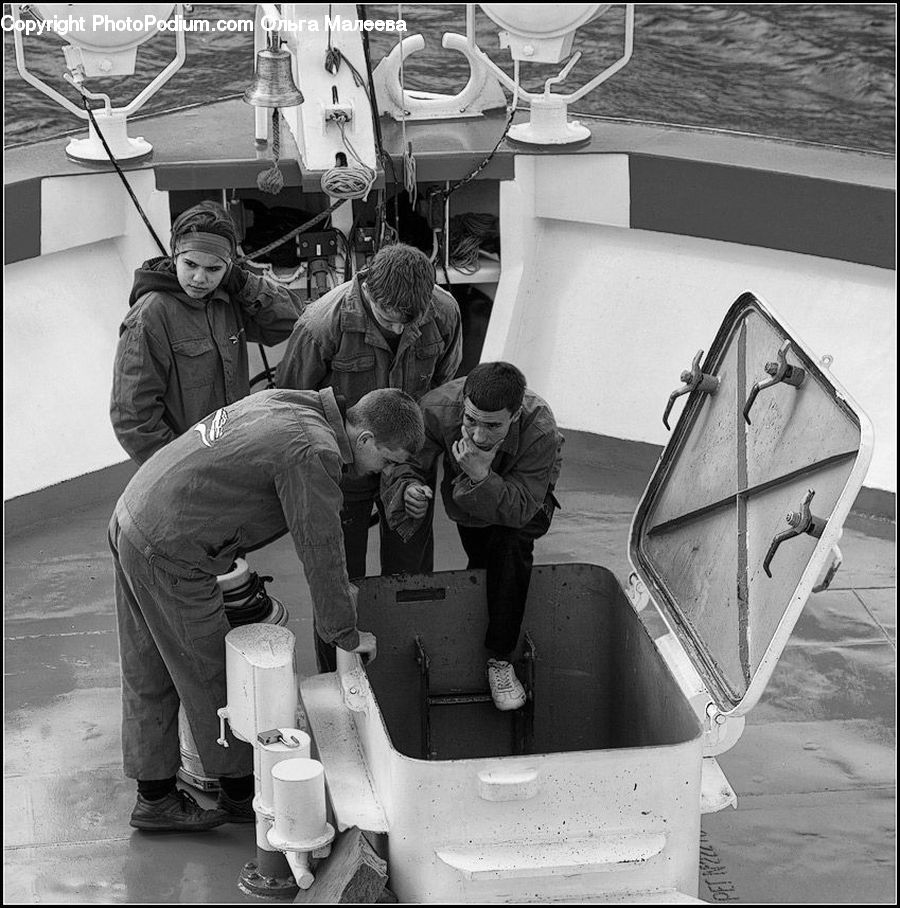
(522, 718)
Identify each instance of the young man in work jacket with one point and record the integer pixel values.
(502, 454)
(182, 349)
(243, 476)
(390, 327)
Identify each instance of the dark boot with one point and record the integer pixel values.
(176, 812)
(237, 810)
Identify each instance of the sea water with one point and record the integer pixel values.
(821, 73)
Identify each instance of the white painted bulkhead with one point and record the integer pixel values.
(62, 313)
(602, 319)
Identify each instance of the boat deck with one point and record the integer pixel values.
(814, 771)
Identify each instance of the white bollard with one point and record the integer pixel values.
(299, 794)
(260, 680)
(294, 743)
(299, 801)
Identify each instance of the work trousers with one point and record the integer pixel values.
(171, 626)
(507, 555)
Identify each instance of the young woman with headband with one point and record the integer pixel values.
(182, 349)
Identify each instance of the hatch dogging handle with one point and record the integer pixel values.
(694, 380)
(780, 372)
(802, 521)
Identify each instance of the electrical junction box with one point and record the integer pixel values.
(319, 245)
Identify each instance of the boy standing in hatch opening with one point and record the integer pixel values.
(502, 454)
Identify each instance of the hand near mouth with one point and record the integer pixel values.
(474, 461)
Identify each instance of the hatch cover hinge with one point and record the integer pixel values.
(721, 731)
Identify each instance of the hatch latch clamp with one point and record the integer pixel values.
(800, 522)
(694, 380)
(780, 372)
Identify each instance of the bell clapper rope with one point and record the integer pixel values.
(272, 180)
(273, 88)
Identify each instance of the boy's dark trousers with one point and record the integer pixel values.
(507, 554)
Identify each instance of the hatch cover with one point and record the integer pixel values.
(714, 522)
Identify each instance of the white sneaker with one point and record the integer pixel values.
(506, 689)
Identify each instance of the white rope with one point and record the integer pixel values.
(352, 181)
(272, 180)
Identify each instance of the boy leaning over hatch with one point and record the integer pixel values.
(502, 454)
(237, 480)
(182, 349)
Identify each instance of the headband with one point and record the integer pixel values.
(210, 243)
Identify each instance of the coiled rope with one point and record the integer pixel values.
(467, 235)
(354, 181)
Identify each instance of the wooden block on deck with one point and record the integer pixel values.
(352, 873)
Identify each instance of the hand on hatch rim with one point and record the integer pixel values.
(367, 647)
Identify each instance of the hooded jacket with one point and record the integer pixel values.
(179, 358)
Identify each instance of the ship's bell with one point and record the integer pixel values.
(274, 85)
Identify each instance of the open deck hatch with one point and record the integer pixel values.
(703, 540)
(596, 679)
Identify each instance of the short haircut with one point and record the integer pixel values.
(207, 217)
(495, 386)
(401, 277)
(392, 416)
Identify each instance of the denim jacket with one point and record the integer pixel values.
(337, 344)
(520, 482)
